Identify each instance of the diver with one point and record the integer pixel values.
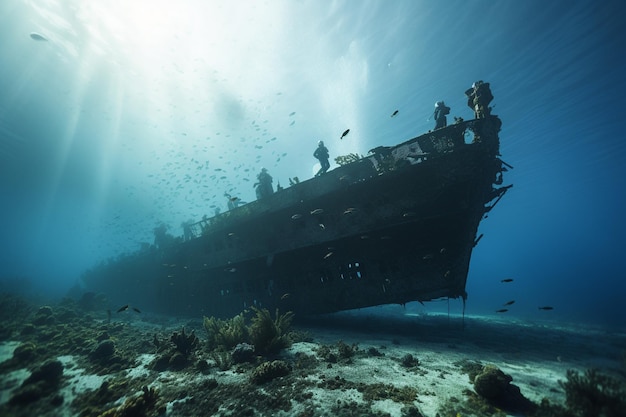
(441, 110)
(233, 202)
(478, 99)
(321, 153)
(264, 187)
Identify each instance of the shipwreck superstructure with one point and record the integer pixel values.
(396, 226)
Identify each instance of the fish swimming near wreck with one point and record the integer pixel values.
(38, 37)
(125, 307)
(547, 308)
(502, 310)
(508, 303)
(507, 280)
(395, 113)
(345, 133)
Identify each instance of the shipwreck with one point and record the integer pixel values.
(395, 226)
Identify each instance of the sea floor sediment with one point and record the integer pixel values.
(63, 360)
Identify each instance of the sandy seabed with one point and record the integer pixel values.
(347, 364)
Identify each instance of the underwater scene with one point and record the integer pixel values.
(312, 208)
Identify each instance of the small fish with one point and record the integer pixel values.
(502, 310)
(230, 270)
(409, 214)
(38, 37)
(345, 133)
(328, 255)
(234, 198)
(136, 310)
(296, 216)
(293, 113)
(349, 210)
(546, 308)
(428, 256)
(395, 113)
(317, 211)
(508, 303)
(322, 226)
(122, 308)
(507, 280)
(285, 296)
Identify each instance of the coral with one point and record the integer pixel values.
(225, 334)
(270, 336)
(325, 353)
(25, 352)
(345, 350)
(377, 392)
(372, 351)
(50, 373)
(222, 359)
(185, 344)
(104, 351)
(141, 406)
(495, 387)
(491, 383)
(42, 382)
(44, 316)
(243, 352)
(268, 371)
(594, 394)
(409, 361)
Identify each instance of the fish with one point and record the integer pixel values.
(122, 308)
(349, 210)
(230, 270)
(328, 255)
(293, 113)
(38, 37)
(502, 310)
(395, 113)
(546, 308)
(507, 280)
(296, 216)
(322, 226)
(285, 296)
(345, 133)
(136, 310)
(317, 211)
(508, 303)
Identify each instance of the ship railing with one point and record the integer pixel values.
(382, 159)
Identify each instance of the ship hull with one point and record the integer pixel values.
(395, 227)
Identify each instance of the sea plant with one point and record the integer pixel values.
(348, 159)
(270, 335)
(594, 394)
(225, 334)
(185, 343)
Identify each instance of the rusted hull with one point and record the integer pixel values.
(399, 226)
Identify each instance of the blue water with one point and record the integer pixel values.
(134, 113)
